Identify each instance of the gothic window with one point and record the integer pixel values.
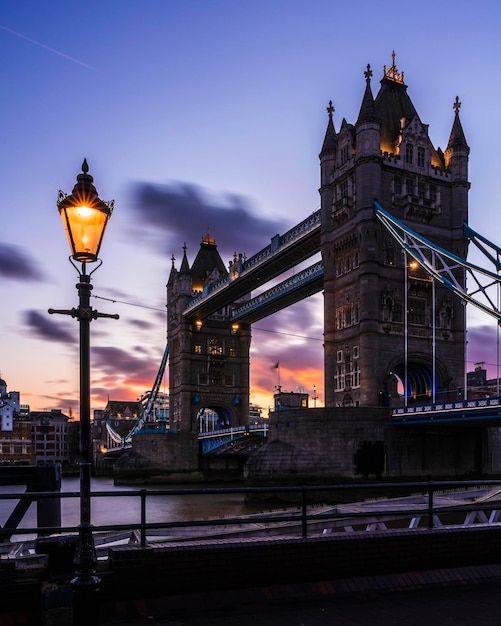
(421, 189)
(354, 313)
(343, 189)
(397, 185)
(198, 349)
(356, 374)
(409, 153)
(355, 352)
(339, 318)
(344, 154)
(356, 258)
(420, 157)
(347, 262)
(388, 309)
(409, 187)
(339, 377)
(433, 193)
(233, 351)
(339, 266)
(417, 311)
(339, 356)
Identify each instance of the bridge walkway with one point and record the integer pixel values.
(464, 596)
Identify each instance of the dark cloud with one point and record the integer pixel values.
(181, 213)
(45, 326)
(142, 324)
(123, 363)
(15, 265)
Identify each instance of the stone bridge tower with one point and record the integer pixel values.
(208, 358)
(371, 350)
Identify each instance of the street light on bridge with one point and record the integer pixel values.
(85, 217)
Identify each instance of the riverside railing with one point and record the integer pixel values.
(304, 499)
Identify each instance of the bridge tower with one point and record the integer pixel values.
(208, 358)
(387, 325)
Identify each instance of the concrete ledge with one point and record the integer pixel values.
(201, 565)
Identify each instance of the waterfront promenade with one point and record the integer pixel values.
(450, 597)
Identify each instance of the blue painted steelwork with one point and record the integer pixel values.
(146, 414)
(311, 276)
(440, 263)
(279, 247)
(214, 439)
(450, 411)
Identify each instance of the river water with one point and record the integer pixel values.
(126, 509)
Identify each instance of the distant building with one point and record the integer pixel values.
(290, 400)
(16, 444)
(9, 407)
(51, 437)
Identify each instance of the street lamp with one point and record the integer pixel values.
(85, 217)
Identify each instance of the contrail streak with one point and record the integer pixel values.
(42, 45)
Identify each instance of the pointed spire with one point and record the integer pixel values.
(457, 139)
(185, 268)
(330, 139)
(367, 109)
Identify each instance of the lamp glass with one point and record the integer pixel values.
(85, 227)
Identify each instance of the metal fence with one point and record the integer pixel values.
(417, 501)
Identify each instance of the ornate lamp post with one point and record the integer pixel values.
(85, 217)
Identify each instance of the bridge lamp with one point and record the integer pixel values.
(198, 325)
(85, 217)
(234, 329)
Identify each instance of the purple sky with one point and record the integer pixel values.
(195, 115)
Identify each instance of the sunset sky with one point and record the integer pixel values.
(217, 109)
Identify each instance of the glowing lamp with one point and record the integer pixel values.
(85, 217)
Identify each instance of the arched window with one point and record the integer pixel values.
(409, 153)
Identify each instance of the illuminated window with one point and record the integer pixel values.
(233, 351)
(198, 349)
(215, 347)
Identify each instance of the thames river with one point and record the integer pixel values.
(126, 510)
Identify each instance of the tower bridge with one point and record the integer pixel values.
(393, 235)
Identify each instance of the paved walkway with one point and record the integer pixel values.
(456, 597)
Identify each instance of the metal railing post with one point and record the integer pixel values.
(430, 505)
(143, 517)
(304, 520)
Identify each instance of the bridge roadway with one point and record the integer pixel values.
(480, 412)
(474, 412)
(295, 246)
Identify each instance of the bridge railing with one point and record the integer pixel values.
(421, 506)
(449, 405)
(235, 430)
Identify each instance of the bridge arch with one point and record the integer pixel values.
(213, 416)
(419, 381)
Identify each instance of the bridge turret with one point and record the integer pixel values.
(368, 125)
(456, 160)
(327, 155)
